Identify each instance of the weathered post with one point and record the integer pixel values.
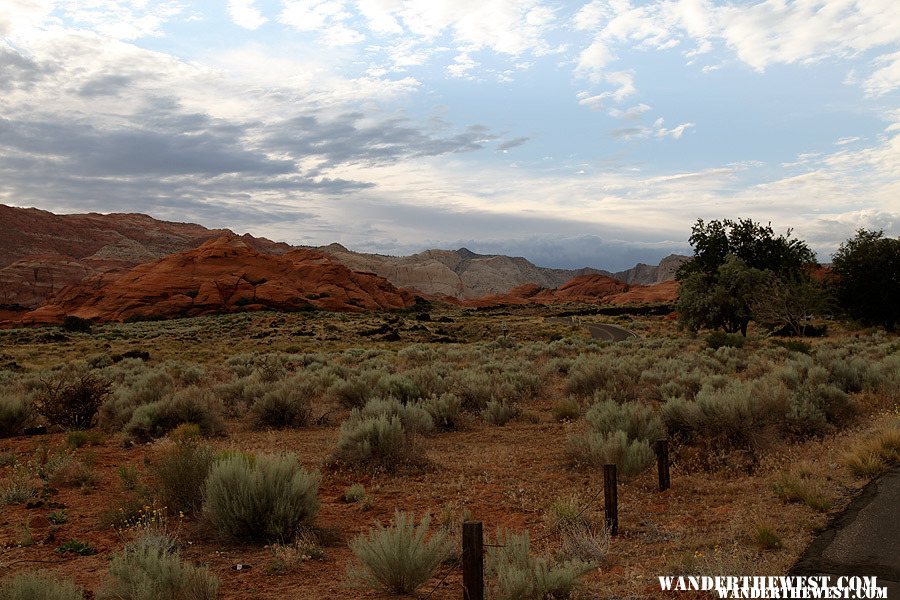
(662, 463)
(611, 499)
(473, 560)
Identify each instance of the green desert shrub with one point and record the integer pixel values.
(15, 413)
(189, 405)
(151, 568)
(401, 557)
(265, 497)
(474, 388)
(399, 386)
(593, 373)
(720, 339)
(146, 388)
(638, 421)
(516, 574)
(286, 405)
(597, 449)
(414, 418)
(181, 472)
(353, 392)
(373, 441)
(499, 412)
(445, 410)
(38, 586)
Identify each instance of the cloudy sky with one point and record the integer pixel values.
(574, 133)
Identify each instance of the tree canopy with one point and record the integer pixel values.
(733, 262)
(867, 272)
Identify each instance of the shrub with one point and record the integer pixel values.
(146, 388)
(354, 493)
(598, 449)
(682, 417)
(72, 399)
(189, 405)
(401, 557)
(181, 472)
(498, 412)
(445, 410)
(78, 438)
(36, 586)
(638, 421)
(286, 557)
(566, 410)
(517, 575)
(414, 418)
(18, 488)
(76, 547)
(267, 497)
(150, 568)
(814, 408)
(74, 474)
(399, 386)
(590, 374)
(15, 412)
(720, 339)
(378, 441)
(76, 324)
(352, 393)
(287, 405)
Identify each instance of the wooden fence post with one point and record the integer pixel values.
(473, 560)
(662, 464)
(611, 499)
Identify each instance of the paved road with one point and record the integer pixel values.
(599, 331)
(864, 539)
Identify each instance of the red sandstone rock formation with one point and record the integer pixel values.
(222, 275)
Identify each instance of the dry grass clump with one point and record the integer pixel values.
(264, 497)
(875, 454)
(401, 557)
(38, 586)
(791, 488)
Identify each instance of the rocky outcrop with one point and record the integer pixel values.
(42, 252)
(458, 273)
(643, 274)
(661, 293)
(222, 275)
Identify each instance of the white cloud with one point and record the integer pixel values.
(121, 19)
(886, 78)
(328, 18)
(629, 114)
(245, 14)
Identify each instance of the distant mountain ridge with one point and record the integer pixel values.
(42, 253)
(458, 273)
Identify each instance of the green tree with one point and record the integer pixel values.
(723, 300)
(867, 278)
(788, 302)
(732, 261)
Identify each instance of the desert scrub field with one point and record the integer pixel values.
(277, 441)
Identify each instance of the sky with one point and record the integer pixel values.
(579, 133)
